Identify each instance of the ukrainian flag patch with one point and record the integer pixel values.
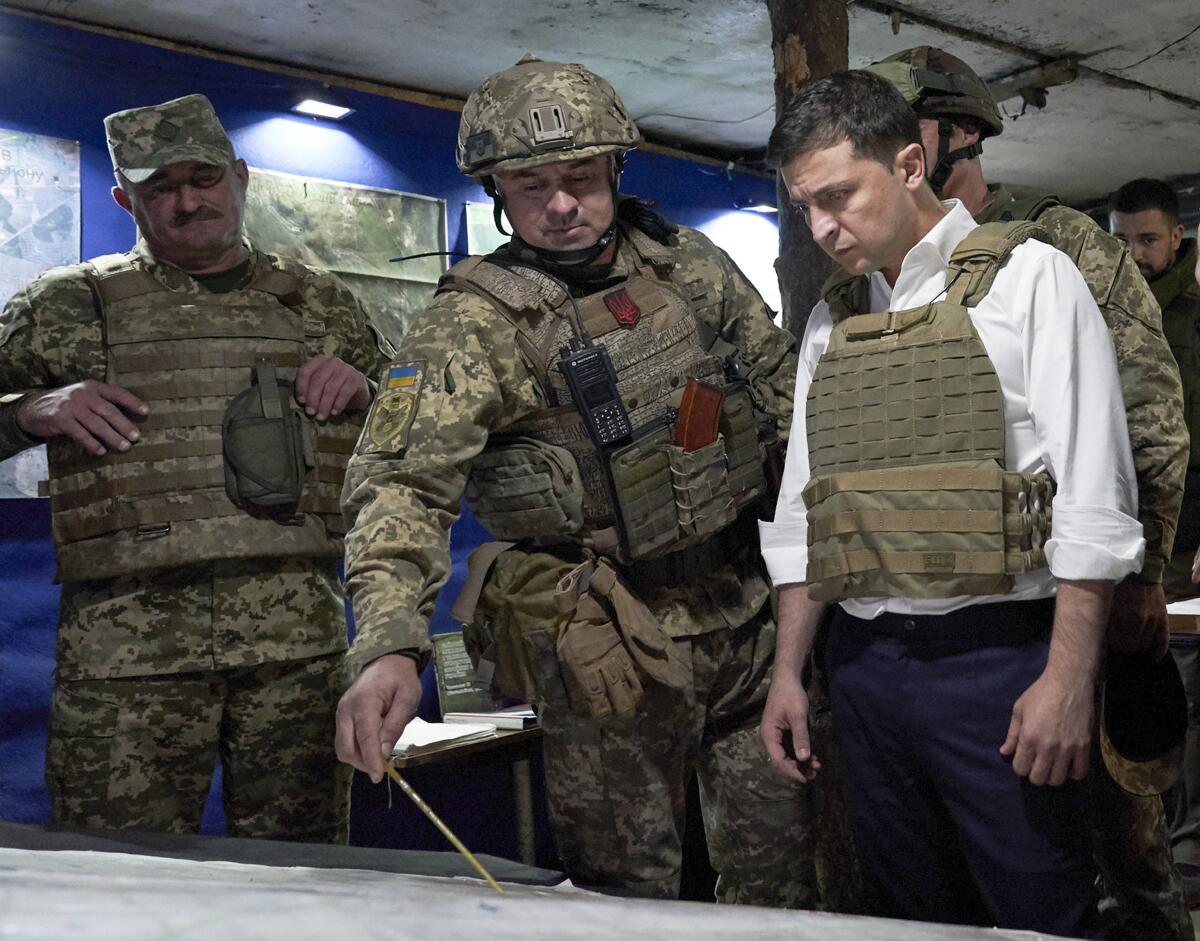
(404, 376)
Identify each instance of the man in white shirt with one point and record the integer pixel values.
(963, 656)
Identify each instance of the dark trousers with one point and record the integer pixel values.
(944, 829)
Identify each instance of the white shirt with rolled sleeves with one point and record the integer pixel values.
(1062, 408)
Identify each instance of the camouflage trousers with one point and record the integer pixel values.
(616, 792)
(1142, 891)
(138, 752)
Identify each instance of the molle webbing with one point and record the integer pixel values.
(908, 495)
(636, 502)
(186, 355)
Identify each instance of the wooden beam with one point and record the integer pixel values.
(810, 38)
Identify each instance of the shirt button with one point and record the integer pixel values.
(910, 624)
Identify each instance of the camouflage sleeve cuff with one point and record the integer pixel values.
(13, 440)
(1155, 563)
(402, 637)
(1152, 570)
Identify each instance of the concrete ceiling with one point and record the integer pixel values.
(698, 73)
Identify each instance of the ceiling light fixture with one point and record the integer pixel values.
(322, 102)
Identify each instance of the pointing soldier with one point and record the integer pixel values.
(602, 389)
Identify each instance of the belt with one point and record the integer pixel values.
(676, 569)
(999, 624)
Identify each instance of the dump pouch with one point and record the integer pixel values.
(264, 445)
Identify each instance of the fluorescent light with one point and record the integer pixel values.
(321, 109)
(751, 204)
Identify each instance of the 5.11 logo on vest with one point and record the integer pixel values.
(622, 307)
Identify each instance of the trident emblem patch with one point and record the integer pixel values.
(622, 307)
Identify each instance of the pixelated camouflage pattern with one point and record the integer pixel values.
(477, 382)
(1149, 380)
(936, 83)
(143, 140)
(50, 336)
(218, 615)
(138, 753)
(496, 132)
(1142, 892)
(616, 793)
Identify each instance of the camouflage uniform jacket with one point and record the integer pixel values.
(1179, 296)
(1151, 387)
(475, 381)
(50, 336)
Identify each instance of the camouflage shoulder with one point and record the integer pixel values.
(1070, 230)
(61, 294)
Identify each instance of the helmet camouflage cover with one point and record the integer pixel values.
(936, 83)
(541, 112)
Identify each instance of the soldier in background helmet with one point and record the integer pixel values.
(201, 612)
(559, 383)
(957, 114)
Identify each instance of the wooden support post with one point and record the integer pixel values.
(809, 38)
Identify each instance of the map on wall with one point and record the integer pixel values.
(39, 228)
(354, 231)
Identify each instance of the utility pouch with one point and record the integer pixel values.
(641, 477)
(525, 489)
(700, 481)
(263, 440)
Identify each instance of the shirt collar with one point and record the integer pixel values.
(930, 257)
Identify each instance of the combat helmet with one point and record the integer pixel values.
(941, 86)
(541, 112)
(536, 113)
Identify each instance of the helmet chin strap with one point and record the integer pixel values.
(560, 262)
(947, 158)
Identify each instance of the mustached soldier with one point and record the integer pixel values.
(198, 401)
(601, 388)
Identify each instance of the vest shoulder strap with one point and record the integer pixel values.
(522, 294)
(847, 294)
(116, 278)
(978, 258)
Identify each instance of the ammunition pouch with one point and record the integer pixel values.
(669, 499)
(264, 445)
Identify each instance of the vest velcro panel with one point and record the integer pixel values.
(908, 495)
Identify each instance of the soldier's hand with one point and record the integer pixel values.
(374, 711)
(1050, 733)
(1137, 619)
(326, 386)
(784, 729)
(91, 413)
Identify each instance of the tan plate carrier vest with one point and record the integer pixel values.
(162, 503)
(908, 495)
(544, 482)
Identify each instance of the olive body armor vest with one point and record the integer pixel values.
(163, 503)
(545, 481)
(908, 494)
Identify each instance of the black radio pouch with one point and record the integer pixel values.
(263, 441)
